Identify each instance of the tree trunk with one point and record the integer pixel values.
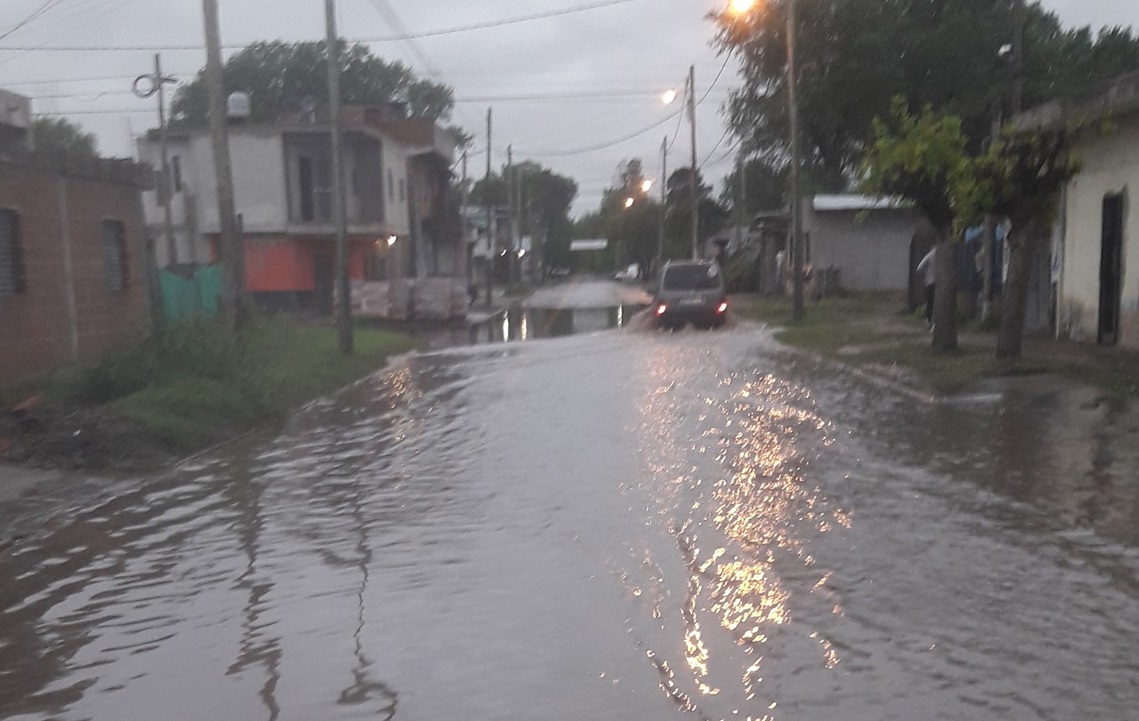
(945, 297)
(1022, 244)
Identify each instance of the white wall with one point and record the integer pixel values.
(871, 249)
(1110, 165)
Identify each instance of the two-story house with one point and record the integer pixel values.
(397, 185)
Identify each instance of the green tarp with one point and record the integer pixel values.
(197, 294)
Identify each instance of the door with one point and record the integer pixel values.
(1111, 269)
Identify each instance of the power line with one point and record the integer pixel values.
(31, 18)
(378, 39)
(603, 146)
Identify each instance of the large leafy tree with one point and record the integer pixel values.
(280, 77)
(924, 159)
(544, 199)
(855, 55)
(1019, 177)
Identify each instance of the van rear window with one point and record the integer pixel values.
(692, 277)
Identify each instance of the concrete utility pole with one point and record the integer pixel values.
(230, 246)
(465, 227)
(796, 201)
(491, 221)
(340, 205)
(692, 183)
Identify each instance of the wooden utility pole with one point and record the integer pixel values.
(796, 201)
(663, 201)
(230, 246)
(340, 206)
(491, 221)
(692, 189)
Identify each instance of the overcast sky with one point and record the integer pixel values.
(577, 92)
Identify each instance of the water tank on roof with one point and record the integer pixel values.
(237, 106)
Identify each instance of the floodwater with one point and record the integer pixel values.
(612, 525)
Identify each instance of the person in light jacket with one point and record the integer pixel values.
(925, 271)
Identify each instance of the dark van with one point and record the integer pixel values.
(691, 291)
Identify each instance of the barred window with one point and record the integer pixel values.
(115, 267)
(11, 254)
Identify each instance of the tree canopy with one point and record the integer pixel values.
(280, 76)
(58, 140)
(854, 56)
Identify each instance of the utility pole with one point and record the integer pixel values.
(1018, 20)
(692, 183)
(512, 205)
(466, 250)
(157, 86)
(491, 221)
(663, 201)
(340, 205)
(230, 246)
(796, 201)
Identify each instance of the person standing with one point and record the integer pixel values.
(926, 271)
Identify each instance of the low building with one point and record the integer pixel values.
(867, 240)
(74, 278)
(1095, 266)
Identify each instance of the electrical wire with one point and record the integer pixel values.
(609, 144)
(378, 39)
(31, 18)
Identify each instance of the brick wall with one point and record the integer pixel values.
(66, 313)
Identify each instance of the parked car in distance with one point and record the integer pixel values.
(690, 291)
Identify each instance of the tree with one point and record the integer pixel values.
(923, 158)
(858, 54)
(765, 187)
(281, 77)
(60, 141)
(711, 215)
(1021, 178)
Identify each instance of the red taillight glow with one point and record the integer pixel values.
(661, 309)
(723, 307)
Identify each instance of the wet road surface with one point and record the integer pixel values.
(617, 525)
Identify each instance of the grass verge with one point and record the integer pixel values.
(193, 383)
(874, 330)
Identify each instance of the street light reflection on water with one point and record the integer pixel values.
(741, 517)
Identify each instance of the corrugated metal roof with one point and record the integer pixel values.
(833, 203)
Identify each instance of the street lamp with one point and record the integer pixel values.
(741, 7)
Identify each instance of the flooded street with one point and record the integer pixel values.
(617, 525)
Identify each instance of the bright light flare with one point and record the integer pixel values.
(662, 309)
(742, 7)
(646, 186)
(628, 202)
(668, 97)
(723, 308)
(391, 240)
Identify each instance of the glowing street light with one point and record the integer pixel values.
(668, 96)
(646, 186)
(628, 202)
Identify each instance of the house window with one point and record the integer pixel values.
(391, 186)
(315, 188)
(176, 171)
(115, 268)
(11, 254)
(402, 190)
